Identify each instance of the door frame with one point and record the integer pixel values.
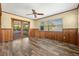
(14, 19)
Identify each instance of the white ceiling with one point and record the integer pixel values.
(47, 8)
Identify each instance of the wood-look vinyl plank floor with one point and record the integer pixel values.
(38, 47)
(54, 48)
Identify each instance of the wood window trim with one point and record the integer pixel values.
(19, 20)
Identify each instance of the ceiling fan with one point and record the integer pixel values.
(35, 13)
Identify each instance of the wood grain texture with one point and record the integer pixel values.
(18, 47)
(7, 34)
(38, 47)
(70, 36)
(32, 32)
(0, 36)
(0, 10)
(67, 35)
(78, 39)
(46, 47)
(0, 22)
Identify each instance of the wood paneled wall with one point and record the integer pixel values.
(78, 39)
(32, 32)
(7, 34)
(0, 22)
(0, 35)
(0, 10)
(68, 35)
(0, 14)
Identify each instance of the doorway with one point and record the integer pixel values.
(20, 29)
(20, 37)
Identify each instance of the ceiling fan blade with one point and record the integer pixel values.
(29, 14)
(40, 14)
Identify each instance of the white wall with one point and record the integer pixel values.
(6, 20)
(69, 19)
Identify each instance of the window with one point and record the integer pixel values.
(42, 26)
(52, 25)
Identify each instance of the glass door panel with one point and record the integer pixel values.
(17, 29)
(25, 29)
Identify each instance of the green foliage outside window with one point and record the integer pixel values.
(17, 28)
(25, 28)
